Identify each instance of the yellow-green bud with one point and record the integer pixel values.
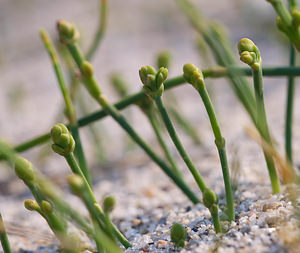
(31, 205)
(46, 207)
(153, 82)
(296, 17)
(249, 53)
(63, 142)
(161, 76)
(76, 183)
(144, 72)
(210, 198)
(109, 203)
(163, 59)
(87, 69)
(67, 32)
(24, 170)
(193, 75)
(178, 235)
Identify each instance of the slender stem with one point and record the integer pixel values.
(170, 83)
(3, 237)
(100, 31)
(220, 143)
(262, 126)
(154, 124)
(92, 86)
(185, 124)
(214, 211)
(70, 110)
(123, 123)
(289, 109)
(186, 158)
(91, 200)
(80, 154)
(282, 11)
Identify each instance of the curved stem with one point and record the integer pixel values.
(162, 143)
(186, 158)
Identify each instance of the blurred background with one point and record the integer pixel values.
(31, 102)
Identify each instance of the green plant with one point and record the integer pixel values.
(48, 201)
(178, 234)
(288, 21)
(250, 55)
(153, 86)
(64, 144)
(194, 76)
(70, 110)
(68, 36)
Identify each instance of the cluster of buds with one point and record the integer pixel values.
(153, 81)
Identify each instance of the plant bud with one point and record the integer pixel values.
(63, 142)
(76, 184)
(178, 235)
(109, 203)
(31, 205)
(163, 59)
(24, 169)
(67, 32)
(87, 69)
(46, 207)
(209, 198)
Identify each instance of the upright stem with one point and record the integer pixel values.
(220, 143)
(162, 143)
(123, 123)
(3, 237)
(70, 110)
(262, 125)
(289, 109)
(93, 88)
(186, 158)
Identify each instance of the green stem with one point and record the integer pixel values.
(185, 124)
(282, 11)
(214, 211)
(289, 109)
(111, 110)
(92, 86)
(220, 143)
(91, 200)
(70, 110)
(186, 158)
(100, 31)
(80, 154)
(169, 84)
(3, 237)
(154, 124)
(262, 126)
